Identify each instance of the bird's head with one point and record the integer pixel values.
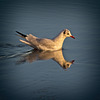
(67, 33)
(67, 64)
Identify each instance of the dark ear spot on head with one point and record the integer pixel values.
(64, 32)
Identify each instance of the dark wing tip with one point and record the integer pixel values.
(21, 34)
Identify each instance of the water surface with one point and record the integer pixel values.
(26, 76)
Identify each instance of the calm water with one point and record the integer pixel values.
(26, 74)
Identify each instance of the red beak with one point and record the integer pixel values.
(72, 37)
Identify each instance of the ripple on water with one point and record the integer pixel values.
(8, 50)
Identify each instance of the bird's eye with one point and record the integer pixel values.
(67, 64)
(67, 33)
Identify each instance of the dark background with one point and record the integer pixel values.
(46, 80)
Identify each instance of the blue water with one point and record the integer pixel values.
(25, 74)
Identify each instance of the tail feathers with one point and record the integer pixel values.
(22, 35)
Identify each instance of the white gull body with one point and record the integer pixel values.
(44, 43)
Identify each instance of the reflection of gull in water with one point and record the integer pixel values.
(45, 55)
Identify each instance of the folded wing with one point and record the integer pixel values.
(41, 44)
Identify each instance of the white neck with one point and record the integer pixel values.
(59, 39)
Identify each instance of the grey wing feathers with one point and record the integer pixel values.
(43, 44)
(46, 43)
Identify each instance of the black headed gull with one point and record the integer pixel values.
(44, 43)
